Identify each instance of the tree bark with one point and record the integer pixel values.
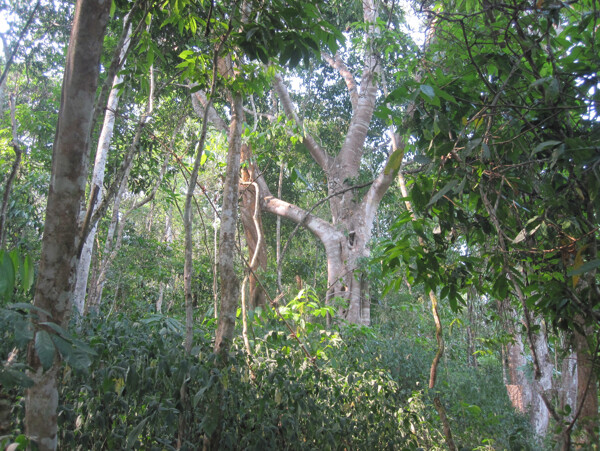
(229, 280)
(62, 230)
(188, 269)
(587, 387)
(96, 187)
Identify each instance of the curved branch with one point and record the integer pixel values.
(199, 103)
(320, 228)
(370, 202)
(318, 154)
(336, 63)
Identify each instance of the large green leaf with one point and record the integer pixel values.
(7, 275)
(75, 356)
(27, 273)
(45, 348)
(437, 196)
(12, 377)
(584, 268)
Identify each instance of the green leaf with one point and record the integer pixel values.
(448, 187)
(27, 273)
(73, 355)
(26, 306)
(552, 91)
(427, 90)
(543, 145)
(44, 348)
(500, 289)
(589, 266)
(132, 437)
(7, 275)
(56, 328)
(23, 332)
(11, 377)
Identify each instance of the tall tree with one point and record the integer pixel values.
(62, 232)
(346, 237)
(97, 182)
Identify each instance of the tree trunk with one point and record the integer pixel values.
(61, 240)
(540, 416)
(169, 240)
(229, 280)
(13, 172)
(587, 388)
(96, 188)
(188, 269)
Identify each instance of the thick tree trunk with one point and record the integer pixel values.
(229, 280)
(61, 241)
(96, 188)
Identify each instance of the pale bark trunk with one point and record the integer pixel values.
(61, 241)
(540, 416)
(117, 191)
(96, 187)
(96, 291)
(568, 382)
(229, 280)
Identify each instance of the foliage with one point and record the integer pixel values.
(362, 393)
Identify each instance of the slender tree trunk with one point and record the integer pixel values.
(96, 188)
(169, 240)
(587, 387)
(96, 291)
(13, 171)
(229, 280)
(62, 230)
(189, 245)
(215, 284)
(278, 229)
(117, 190)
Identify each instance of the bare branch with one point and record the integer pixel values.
(339, 65)
(199, 103)
(318, 154)
(11, 58)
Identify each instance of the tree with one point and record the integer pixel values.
(503, 137)
(62, 231)
(346, 237)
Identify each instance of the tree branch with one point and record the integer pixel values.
(11, 58)
(318, 154)
(336, 63)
